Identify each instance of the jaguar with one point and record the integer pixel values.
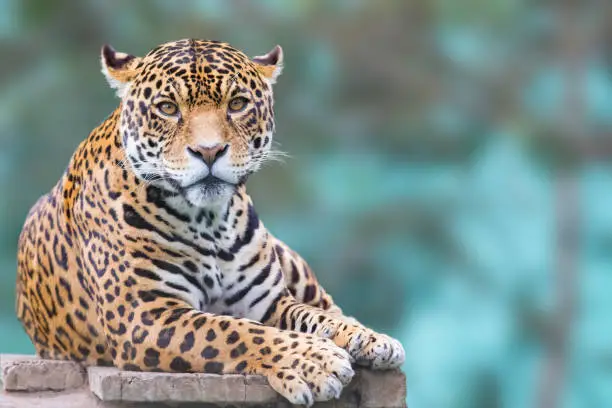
(148, 253)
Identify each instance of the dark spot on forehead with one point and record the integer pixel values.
(204, 68)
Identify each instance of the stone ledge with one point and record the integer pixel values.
(110, 384)
(108, 387)
(30, 373)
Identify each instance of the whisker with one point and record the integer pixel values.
(272, 155)
(148, 173)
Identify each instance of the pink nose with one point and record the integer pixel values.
(208, 153)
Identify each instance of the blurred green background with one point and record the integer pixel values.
(449, 180)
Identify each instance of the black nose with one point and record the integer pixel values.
(209, 154)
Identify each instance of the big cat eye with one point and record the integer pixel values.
(237, 104)
(167, 108)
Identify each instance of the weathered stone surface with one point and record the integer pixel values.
(258, 390)
(110, 384)
(380, 388)
(369, 389)
(104, 382)
(75, 398)
(29, 373)
(112, 388)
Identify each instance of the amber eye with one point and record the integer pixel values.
(167, 108)
(237, 104)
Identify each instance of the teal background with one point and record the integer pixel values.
(449, 179)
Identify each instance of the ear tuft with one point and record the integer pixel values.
(119, 68)
(270, 64)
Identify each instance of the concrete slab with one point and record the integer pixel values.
(29, 373)
(30, 382)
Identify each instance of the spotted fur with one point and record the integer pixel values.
(149, 255)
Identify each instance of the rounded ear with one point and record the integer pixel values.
(118, 68)
(270, 64)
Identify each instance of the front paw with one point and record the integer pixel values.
(368, 348)
(305, 369)
(380, 352)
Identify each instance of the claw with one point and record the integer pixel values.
(336, 386)
(308, 399)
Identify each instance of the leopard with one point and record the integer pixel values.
(148, 254)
